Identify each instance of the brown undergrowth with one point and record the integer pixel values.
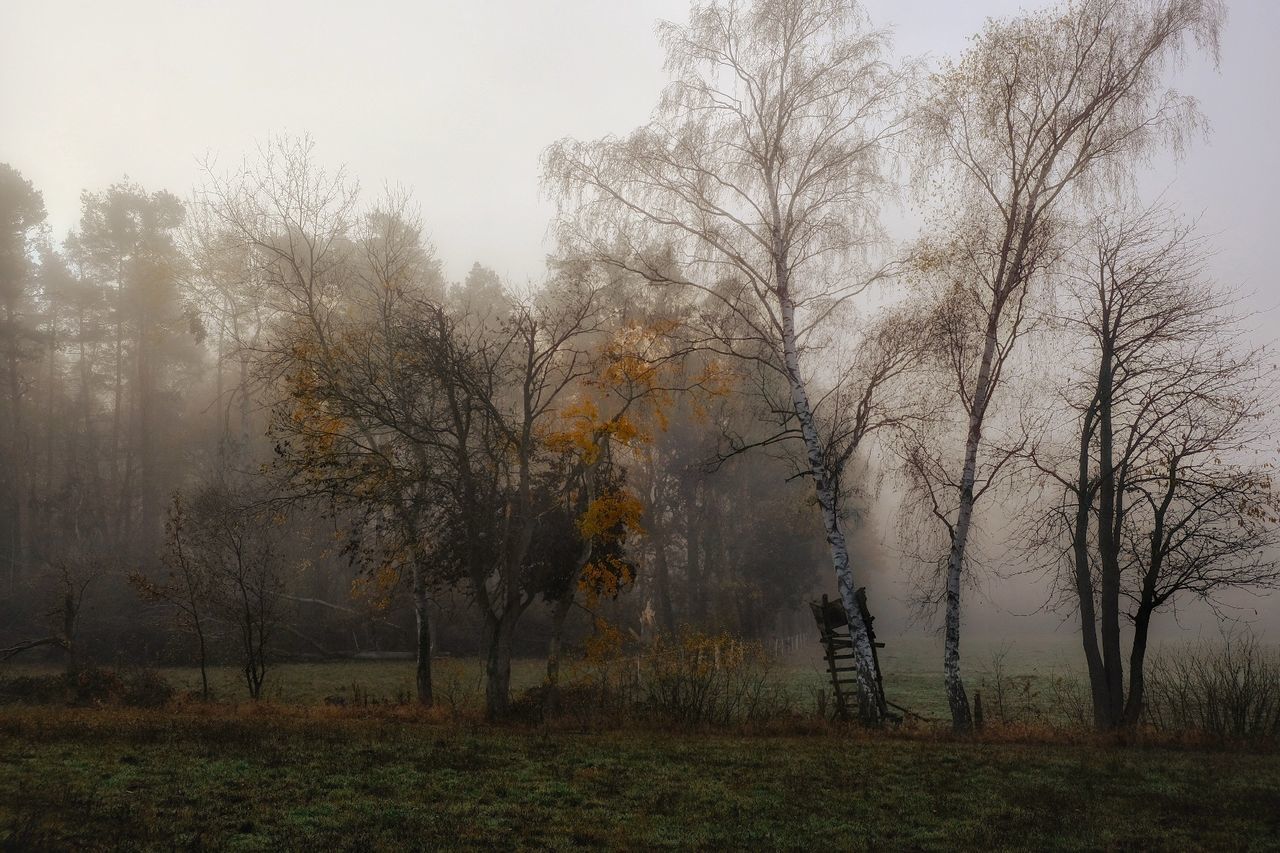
(216, 721)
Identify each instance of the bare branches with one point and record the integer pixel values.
(757, 184)
(1163, 498)
(768, 143)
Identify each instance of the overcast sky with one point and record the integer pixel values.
(457, 99)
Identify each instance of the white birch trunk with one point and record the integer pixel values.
(957, 698)
(870, 700)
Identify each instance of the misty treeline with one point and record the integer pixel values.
(261, 421)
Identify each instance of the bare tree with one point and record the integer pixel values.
(1162, 495)
(1037, 107)
(230, 543)
(757, 183)
(68, 578)
(348, 418)
(188, 586)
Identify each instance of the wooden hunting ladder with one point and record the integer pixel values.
(837, 644)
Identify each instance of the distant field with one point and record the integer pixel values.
(911, 666)
(319, 780)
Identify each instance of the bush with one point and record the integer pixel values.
(1229, 690)
(604, 683)
(95, 686)
(696, 679)
(146, 688)
(1009, 699)
(1056, 699)
(142, 688)
(457, 687)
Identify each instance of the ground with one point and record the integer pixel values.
(271, 779)
(336, 758)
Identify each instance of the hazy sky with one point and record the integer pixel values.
(457, 99)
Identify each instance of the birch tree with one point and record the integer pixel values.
(757, 183)
(1039, 108)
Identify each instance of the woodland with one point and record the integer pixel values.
(251, 423)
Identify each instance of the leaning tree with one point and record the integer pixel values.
(757, 184)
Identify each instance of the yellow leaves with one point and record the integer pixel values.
(605, 577)
(374, 590)
(577, 432)
(583, 431)
(632, 378)
(618, 511)
(604, 644)
(311, 419)
(691, 653)
(635, 355)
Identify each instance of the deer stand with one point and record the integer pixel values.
(837, 644)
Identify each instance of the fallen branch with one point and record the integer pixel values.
(320, 602)
(26, 645)
(910, 713)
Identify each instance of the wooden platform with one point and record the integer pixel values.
(837, 643)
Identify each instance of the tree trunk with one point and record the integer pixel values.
(692, 531)
(149, 526)
(204, 667)
(1137, 661)
(957, 699)
(870, 699)
(1148, 602)
(708, 567)
(421, 606)
(69, 608)
(662, 574)
(18, 455)
(1084, 576)
(1109, 510)
(559, 615)
(498, 635)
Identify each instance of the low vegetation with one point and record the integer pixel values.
(269, 778)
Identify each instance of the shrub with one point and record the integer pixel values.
(94, 686)
(144, 688)
(1009, 698)
(1229, 690)
(604, 683)
(695, 679)
(456, 687)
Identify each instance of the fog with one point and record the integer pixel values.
(454, 103)
(457, 100)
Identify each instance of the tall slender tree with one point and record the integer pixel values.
(21, 215)
(1040, 106)
(1163, 497)
(757, 182)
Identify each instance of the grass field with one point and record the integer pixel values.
(912, 669)
(329, 780)
(304, 771)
